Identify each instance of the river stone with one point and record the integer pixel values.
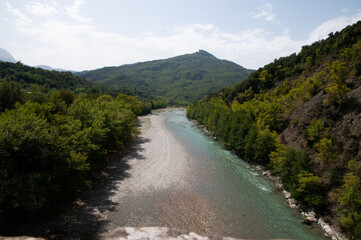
(157, 233)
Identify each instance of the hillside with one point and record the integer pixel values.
(30, 78)
(187, 78)
(301, 117)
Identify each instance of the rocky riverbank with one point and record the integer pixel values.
(308, 215)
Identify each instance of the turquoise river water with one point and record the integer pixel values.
(246, 204)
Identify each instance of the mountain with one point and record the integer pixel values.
(186, 78)
(300, 116)
(5, 56)
(31, 78)
(46, 67)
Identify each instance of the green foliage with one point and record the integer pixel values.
(187, 78)
(348, 198)
(315, 131)
(47, 151)
(35, 164)
(10, 93)
(40, 80)
(309, 189)
(248, 116)
(337, 88)
(260, 144)
(63, 95)
(326, 153)
(287, 162)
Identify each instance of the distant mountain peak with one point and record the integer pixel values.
(204, 53)
(5, 56)
(188, 77)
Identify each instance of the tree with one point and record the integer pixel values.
(326, 153)
(337, 89)
(348, 198)
(309, 189)
(315, 131)
(36, 166)
(10, 93)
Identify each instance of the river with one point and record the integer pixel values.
(183, 179)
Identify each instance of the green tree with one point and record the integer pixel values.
(315, 131)
(36, 166)
(309, 189)
(10, 93)
(348, 198)
(337, 89)
(326, 153)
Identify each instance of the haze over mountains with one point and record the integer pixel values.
(5, 56)
(187, 78)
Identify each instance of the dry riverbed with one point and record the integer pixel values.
(151, 185)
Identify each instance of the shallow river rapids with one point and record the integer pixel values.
(180, 178)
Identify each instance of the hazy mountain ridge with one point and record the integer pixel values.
(5, 56)
(187, 77)
(46, 67)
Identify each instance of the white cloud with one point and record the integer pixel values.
(265, 13)
(80, 45)
(333, 25)
(73, 11)
(20, 18)
(40, 9)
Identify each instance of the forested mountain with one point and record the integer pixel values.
(5, 56)
(301, 117)
(36, 80)
(186, 78)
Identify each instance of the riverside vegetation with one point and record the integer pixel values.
(300, 117)
(56, 130)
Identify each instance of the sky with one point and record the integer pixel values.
(89, 34)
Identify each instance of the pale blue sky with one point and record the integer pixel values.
(88, 34)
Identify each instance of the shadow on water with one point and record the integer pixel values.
(86, 215)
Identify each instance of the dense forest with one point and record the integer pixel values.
(56, 130)
(183, 79)
(301, 117)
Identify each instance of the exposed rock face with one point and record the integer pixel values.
(157, 233)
